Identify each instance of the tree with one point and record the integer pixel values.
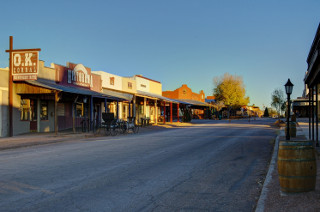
(266, 112)
(278, 100)
(218, 106)
(230, 90)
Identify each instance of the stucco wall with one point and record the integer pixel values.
(105, 77)
(142, 84)
(155, 87)
(46, 72)
(125, 88)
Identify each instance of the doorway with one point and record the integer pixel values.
(33, 115)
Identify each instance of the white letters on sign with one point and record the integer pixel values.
(80, 76)
(26, 64)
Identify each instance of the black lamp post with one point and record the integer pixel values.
(289, 87)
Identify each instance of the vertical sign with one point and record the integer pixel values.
(25, 65)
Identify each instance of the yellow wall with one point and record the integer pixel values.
(155, 87)
(46, 72)
(125, 88)
(4, 102)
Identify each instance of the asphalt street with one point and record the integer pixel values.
(210, 166)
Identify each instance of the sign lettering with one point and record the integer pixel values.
(80, 76)
(25, 65)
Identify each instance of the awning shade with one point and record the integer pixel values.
(69, 89)
(155, 96)
(118, 94)
(195, 103)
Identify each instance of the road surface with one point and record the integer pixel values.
(210, 166)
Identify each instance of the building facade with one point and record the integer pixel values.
(61, 98)
(196, 101)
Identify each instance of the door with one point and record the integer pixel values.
(33, 115)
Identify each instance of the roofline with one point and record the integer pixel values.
(146, 78)
(313, 43)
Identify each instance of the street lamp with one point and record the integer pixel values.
(289, 87)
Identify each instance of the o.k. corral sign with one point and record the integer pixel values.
(25, 65)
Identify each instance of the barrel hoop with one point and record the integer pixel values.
(297, 160)
(295, 148)
(297, 190)
(300, 145)
(297, 177)
(296, 144)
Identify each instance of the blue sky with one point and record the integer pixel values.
(173, 41)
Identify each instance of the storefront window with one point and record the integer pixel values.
(44, 110)
(124, 112)
(79, 110)
(24, 109)
(141, 110)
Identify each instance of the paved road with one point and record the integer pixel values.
(211, 166)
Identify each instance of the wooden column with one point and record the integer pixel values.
(117, 109)
(164, 112)
(91, 127)
(56, 99)
(317, 117)
(156, 111)
(74, 110)
(10, 88)
(144, 107)
(38, 114)
(178, 112)
(309, 113)
(170, 112)
(312, 111)
(105, 105)
(74, 117)
(134, 108)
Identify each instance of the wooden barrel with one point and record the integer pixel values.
(297, 166)
(292, 129)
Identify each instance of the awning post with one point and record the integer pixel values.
(105, 105)
(156, 111)
(164, 113)
(91, 127)
(170, 112)
(178, 112)
(117, 109)
(55, 112)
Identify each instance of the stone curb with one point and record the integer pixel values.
(264, 192)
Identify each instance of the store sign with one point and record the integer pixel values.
(25, 65)
(80, 76)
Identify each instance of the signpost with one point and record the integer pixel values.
(23, 65)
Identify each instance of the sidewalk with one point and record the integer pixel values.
(272, 199)
(32, 139)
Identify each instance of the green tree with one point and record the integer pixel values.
(278, 100)
(230, 90)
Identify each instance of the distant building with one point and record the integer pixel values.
(185, 94)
